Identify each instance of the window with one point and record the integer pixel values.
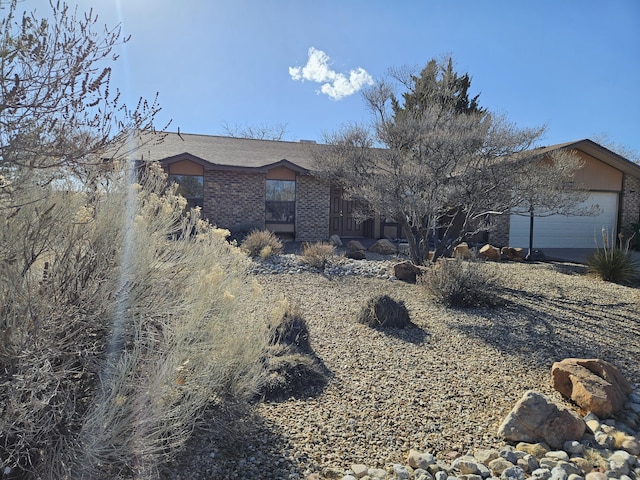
(190, 187)
(280, 201)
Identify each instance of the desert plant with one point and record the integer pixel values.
(384, 311)
(318, 254)
(289, 326)
(263, 243)
(455, 282)
(613, 263)
(291, 366)
(122, 319)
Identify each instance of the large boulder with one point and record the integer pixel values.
(490, 253)
(513, 254)
(354, 246)
(335, 240)
(593, 384)
(461, 250)
(535, 418)
(384, 247)
(406, 271)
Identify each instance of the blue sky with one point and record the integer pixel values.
(573, 65)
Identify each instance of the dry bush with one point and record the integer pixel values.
(383, 311)
(462, 283)
(291, 365)
(262, 243)
(318, 254)
(121, 320)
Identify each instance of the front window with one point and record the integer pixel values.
(280, 201)
(190, 187)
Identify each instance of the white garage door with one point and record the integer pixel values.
(562, 231)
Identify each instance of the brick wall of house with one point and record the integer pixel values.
(312, 209)
(234, 200)
(499, 233)
(630, 205)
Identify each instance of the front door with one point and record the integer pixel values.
(341, 220)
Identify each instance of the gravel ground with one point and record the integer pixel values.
(443, 386)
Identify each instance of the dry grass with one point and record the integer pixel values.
(262, 243)
(318, 254)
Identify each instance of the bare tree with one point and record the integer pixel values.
(444, 165)
(57, 110)
(261, 132)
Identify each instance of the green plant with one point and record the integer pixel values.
(462, 283)
(384, 311)
(318, 254)
(614, 263)
(263, 243)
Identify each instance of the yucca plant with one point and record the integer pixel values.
(614, 263)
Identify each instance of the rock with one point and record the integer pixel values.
(335, 241)
(401, 472)
(416, 459)
(596, 476)
(583, 464)
(557, 473)
(356, 254)
(354, 246)
(461, 250)
(573, 446)
(406, 271)
(593, 384)
(484, 456)
(359, 470)
(512, 473)
(538, 450)
(490, 253)
(513, 254)
(535, 418)
(384, 247)
(541, 474)
(466, 466)
(631, 445)
(499, 465)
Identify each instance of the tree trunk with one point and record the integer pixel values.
(418, 239)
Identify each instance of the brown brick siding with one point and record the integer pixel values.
(630, 205)
(234, 200)
(312, 209)
(499, 233)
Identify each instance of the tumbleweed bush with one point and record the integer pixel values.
(318, 254)
(263, 243)
(121, 320)
(455, 282)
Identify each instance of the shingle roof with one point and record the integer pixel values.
(227, 151)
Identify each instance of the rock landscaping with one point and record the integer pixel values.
(433, 401)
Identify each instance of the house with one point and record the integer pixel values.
(244, 184)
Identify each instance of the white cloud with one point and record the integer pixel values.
(336, 85)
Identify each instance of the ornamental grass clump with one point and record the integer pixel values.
(262, 243)
(454, 282)
(318, 254)
(614, 263)
(383, 311)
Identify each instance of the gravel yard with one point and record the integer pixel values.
(444, 385)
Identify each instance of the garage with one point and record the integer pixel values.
(563, 231)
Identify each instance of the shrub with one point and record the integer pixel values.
(124, 323)
(289, 327)
(262, 242)
(291, 366)
(462, 283)
(318, 254)
(613, 263)
(384, 311)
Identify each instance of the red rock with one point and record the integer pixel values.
(593, 384)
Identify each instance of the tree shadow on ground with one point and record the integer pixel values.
(412, 333)
(542, 329)
(250, 447)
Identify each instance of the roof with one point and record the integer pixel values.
(246, 153)
(598, 151)
(227, 151)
